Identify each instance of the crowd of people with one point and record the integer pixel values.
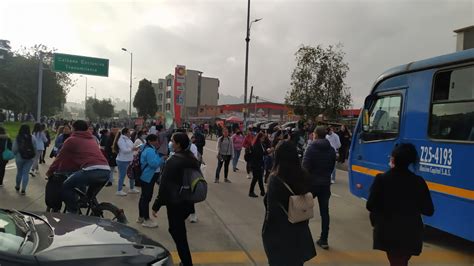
(289, 162)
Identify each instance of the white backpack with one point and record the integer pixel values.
(300, 207)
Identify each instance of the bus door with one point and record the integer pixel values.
(376, 137)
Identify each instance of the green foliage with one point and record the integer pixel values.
(145, 99)
(19, 81)
(317, 82)
(12, 128)
(99, 109)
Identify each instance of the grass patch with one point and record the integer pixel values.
(12, 129)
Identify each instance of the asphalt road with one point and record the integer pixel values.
(229, 228)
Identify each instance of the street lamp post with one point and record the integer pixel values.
(247, 40)
(85, 100)
(131, 67)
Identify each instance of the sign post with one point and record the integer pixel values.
(179, 92)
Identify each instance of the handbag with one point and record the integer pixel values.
(300, 207)
(7, 154)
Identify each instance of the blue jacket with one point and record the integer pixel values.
(150, 160)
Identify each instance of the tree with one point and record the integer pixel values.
(145, 99)
(19, 81)
(317, 82)
(103, 108)
(90, 113)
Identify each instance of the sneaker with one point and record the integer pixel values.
(22, 192)
(193, 218)
(253, 195)
(323, 244)
(216, 181)
(227, 181)
(262, 193)
(249, 177)
(1, 185)
(140, 220)
(109, 184)
(121, 193)
(32, 173)
(133, 191)
(149, 223)
(17, 189)
(236, 169)
(332, 181)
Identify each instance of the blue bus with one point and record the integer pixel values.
(429, 103)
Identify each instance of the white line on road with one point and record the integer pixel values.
(10, 166)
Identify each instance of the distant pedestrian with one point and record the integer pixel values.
(258, 151)
(286, 243)
(200, 140)
(124, 148)
(140, 139)
(335, 142)
(46, 144)
(5, 144)
(177, 210)
(150, 161)
(238, 142)
(110, 155)
(396, 202)
(25, 151)
(248, 141)
(65, 133)
(40, 138)
(345, 137)
(163, 136)
(319, 160)
(225, 151)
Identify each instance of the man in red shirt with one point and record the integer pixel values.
(81, 155)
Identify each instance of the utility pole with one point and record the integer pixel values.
(247, 40)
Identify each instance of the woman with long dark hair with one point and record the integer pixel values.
(171, 180)
(110, 155)
(286, 243)
(396, 202)
(258, 150)
(25, 151)
(124, 148)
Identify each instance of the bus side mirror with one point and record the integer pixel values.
(365, 112)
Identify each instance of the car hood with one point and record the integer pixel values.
(78, 236)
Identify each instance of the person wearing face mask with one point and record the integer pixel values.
(124, 148)
(140, 140)
(150, 161)
(397, 219)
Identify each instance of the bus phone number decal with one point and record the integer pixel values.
(436, 160)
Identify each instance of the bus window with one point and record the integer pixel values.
(384, 118)
(452, 110)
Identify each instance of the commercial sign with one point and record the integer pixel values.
(179, 87)
(81, 65)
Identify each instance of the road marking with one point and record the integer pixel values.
(335, 195)
(10, 166)
(370, 257)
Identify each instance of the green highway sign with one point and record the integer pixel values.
(81, 64)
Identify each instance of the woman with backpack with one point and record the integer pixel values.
(124, 148)
(40, 139)
(5, 152)
(25, 151)
(171, 180)
(150, 163)
(225, 151)
(286, 243)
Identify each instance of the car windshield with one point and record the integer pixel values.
(13, 231)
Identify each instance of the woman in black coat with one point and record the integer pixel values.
(171, 181)
(258, 150)
(286, 243)
(397, 200)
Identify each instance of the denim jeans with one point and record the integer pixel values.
(81, 179)
(112, 170)
(36, 160)
(235, 160)
(23, 167)
(323, 193)
(122, 171)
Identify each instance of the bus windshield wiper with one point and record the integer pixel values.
(29, 227)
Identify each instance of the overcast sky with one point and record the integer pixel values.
(208, 35)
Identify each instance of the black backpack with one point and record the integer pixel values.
(26, 148)
(194, 188)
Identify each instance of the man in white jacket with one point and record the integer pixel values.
(335, 142)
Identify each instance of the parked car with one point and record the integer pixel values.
(291, 125)
(28, 238)
(269, 127)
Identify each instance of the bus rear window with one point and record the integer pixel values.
(452, 110)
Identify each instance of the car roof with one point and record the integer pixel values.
(438, 61)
